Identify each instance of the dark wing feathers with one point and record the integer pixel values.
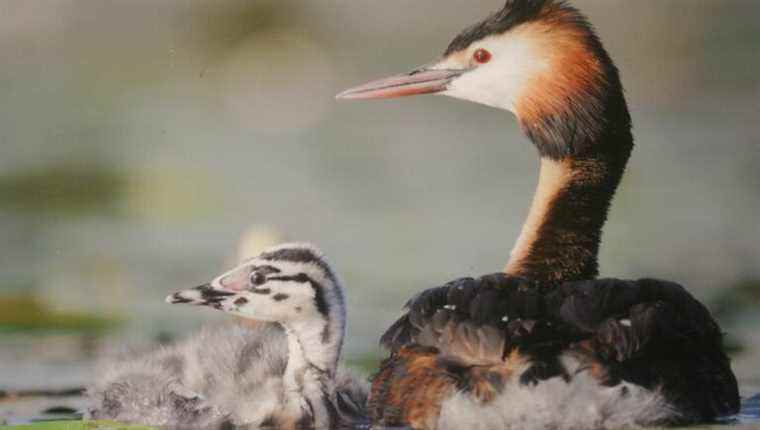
(648, 332)
(633, 317)
(624, 317)
(463, 341)
(509, 308)
(479, 321)
(399, 333)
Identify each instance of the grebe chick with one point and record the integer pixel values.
(543, 61)
(284, 374)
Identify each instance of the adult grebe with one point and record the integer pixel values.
(546, 318)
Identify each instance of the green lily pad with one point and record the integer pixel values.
(23, 313)
(62, 190)
(77, 425)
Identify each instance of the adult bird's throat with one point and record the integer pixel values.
(554, 177)
(560, 238)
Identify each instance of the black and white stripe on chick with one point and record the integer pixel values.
(294, 286)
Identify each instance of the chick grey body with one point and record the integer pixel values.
(280, 373)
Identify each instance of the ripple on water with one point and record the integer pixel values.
(750, 413)
(29, 410)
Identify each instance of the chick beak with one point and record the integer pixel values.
(204, 295)
(420, 81)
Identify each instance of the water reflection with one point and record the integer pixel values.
(61, 407)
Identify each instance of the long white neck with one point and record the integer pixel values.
(309, 375)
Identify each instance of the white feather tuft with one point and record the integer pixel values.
(580, 404)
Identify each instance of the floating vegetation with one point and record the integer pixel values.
(732, 307)
(23, 313)
(740, 298)
(62, 190)
(78, 425)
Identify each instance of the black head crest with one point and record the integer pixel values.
(514, 13)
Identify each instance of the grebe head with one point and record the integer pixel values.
(285, 284)
(539, 59)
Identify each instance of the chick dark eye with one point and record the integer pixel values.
(257, 278)
(481, 56)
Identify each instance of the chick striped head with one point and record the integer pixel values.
(283, 284)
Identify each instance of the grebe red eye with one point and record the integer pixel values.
(482, 56)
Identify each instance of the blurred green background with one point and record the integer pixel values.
(144, 145)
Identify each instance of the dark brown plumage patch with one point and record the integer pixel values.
(567, 237)
(240, 301)
(565, 109)
(409, 388)
(647, 332)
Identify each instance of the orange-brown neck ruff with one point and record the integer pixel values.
(577, 117)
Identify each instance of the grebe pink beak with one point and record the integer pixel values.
(420, 81)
